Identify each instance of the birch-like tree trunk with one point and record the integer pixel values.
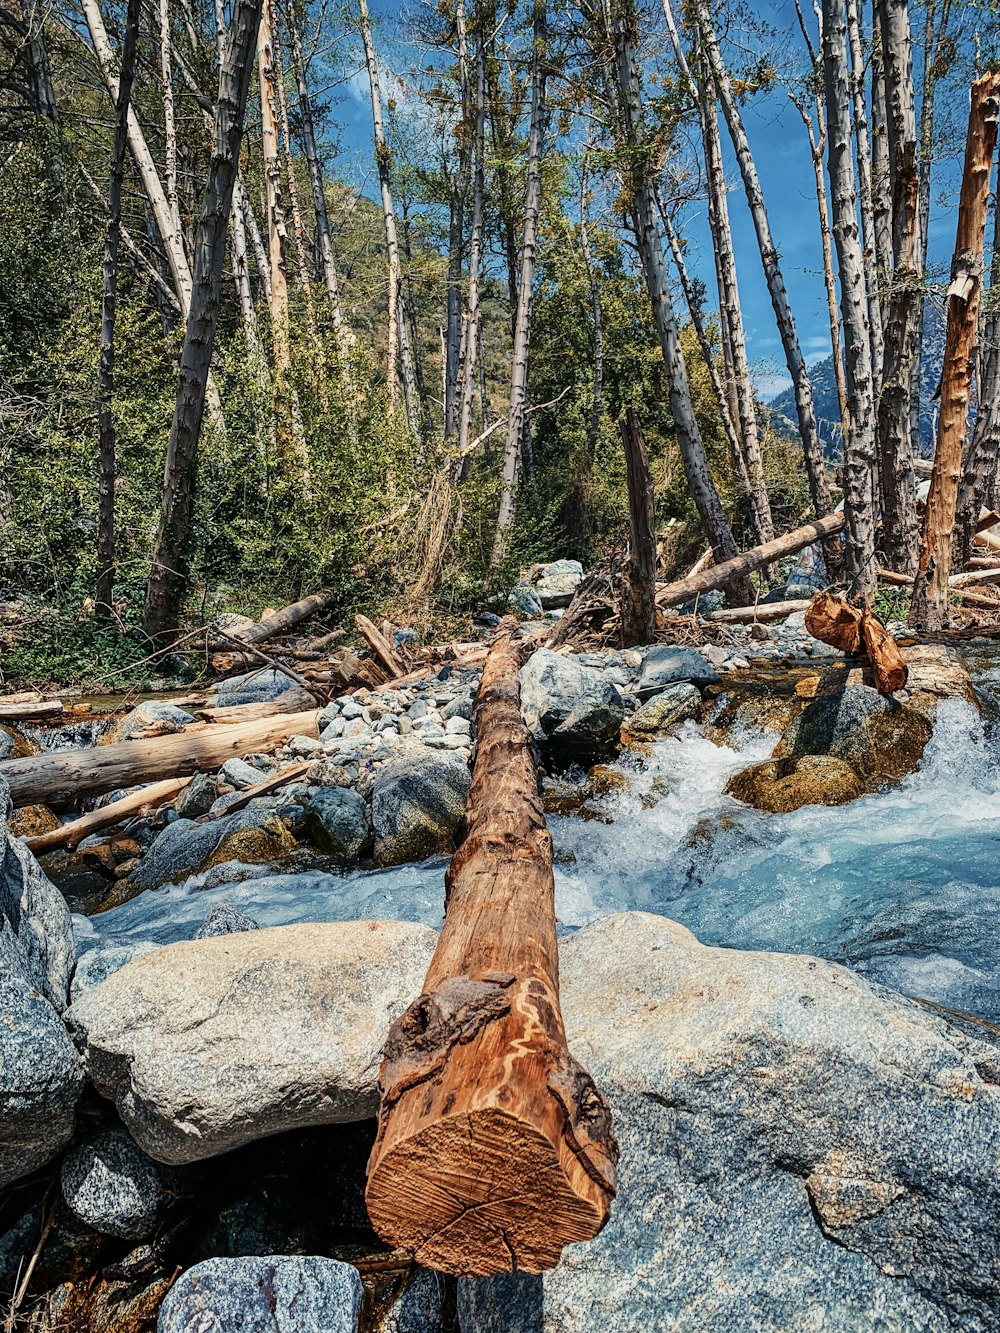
(597, 317)
(399, 349)
(169, 118)
(644, 214)
(897, 481)
(859, 439)
(470, 342)
(168, 575)
(331, 278)
(811, 445)
(277, 233)
(929, 607)
(458, 192)
(881, 189)
(865, 198)
(517, 405)
(107, 452)
(979, 479)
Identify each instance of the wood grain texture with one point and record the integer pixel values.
(494, 1149)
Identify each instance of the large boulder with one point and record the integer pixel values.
(268, 1294)
(781, 785)
(154, 717)
(417, 803)
(677, 703)
(255, 835)
(253, 687)
(800, 1150)
(338, 822)
(40, 1075)
(664, 665)
(208, 1044)
(574, 712)
(557, 583)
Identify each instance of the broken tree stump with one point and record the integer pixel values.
(494, 1147)
(889, 669)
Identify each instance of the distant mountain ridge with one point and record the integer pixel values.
(825, 390)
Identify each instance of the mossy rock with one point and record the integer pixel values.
(254, 846)
(18, 747)
(781, 785)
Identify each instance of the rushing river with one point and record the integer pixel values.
(903, 886)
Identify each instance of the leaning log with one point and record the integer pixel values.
(379, 645)
(66, 776)
(494, 1147)
(719, 576)
(70, 835)
(280, 621)
(889, 669)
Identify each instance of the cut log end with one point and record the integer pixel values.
(483, 1193)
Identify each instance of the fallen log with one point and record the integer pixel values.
(273, 783)
(295, 700)
(761, 613)
(718, 576)
(974, 578)
(494, 1147)
(69, 836)
(30, 712)
(969, 598)
(889, 669)
(379, 645)
(280, 621)
(64, 777)
(834, 621)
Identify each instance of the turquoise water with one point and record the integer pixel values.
(903, 886)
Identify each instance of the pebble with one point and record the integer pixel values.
(351, 709)
(458, 726)
(304, 745)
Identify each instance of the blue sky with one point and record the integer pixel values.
(781, 150)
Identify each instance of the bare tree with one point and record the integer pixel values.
(107, 452)
(897, 484)
(168, 575)
(399, 348)
(859, 435)
(516, 419)
(801, 385)
(471, 341)
(865, 197)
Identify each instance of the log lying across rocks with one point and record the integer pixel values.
(70, 835)
(761, 613)
(30, 710)
(286, 618)
(719, 576)
(833, 620)
(64, 777)
(494, 1147)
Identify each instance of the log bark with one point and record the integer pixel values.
(294, 700)
(719, 576)
(70, 835)
(834, 621)
(759, 614)
(638, 615)
(288, 617)
(889, 669)
(379, 645)
(929, 607)
(64, 777)
(28, 712)
(494, 1147)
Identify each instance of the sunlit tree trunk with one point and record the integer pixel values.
(517, 407)
(801, 385)
(881, 189)
(471, 347)
(277, 233)
(929, 607)
(169, 118)
(399, 349)
(107, 453)
(859, 436)
(597, 317)
(168, 575)
(897, 482)
(865, 198)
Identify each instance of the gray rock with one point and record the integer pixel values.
(420, 1308)
(418, 799)
(40, 1075)
(714, 600)
(675, 704)
(208, 1044)
(524, 599)
(460, 706)
(198, 797)
(458, 726)
(664, 665)
(253, 687)
(800, 1150)
(153, 713)
(268, 1294)
(241, 775)
(557, 583)
(224, 919)
(113, 1187)
(97, 965)
(184, 847)
(337, 821)
(403, 635)
(572, 710)
(878, 737)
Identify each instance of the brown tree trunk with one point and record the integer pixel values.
(107, 453)
(929, 608)
(168, 576)
(638, 615)
(285, 619)
(494, 1147)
